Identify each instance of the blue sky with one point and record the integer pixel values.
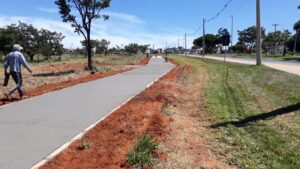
(154, 21)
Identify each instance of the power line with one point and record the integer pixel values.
(213, 18)
(196, 31)
(241, 6)
(219, 13)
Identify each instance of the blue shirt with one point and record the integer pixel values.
(14, 60)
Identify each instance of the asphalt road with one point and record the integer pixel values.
(32, 129)
(287, 66)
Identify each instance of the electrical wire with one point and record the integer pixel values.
(192, 34)
(220, 12)
(213, 18)
(241, 6)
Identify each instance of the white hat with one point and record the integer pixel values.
(17, 47)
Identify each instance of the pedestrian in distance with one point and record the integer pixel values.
(13, 62)
(166, 59)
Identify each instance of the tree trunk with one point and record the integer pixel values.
(89, 52)
(31, 57)
(250, 50)
(284, 49)
(295, 43)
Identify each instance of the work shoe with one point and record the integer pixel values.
(23, 97)
(8, 96)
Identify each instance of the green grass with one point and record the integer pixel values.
(236, 95)
(288, 57)
(111, 59)
(135, 59)
(142, 154)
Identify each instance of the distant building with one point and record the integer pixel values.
(168, 50)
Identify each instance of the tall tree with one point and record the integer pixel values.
(297, 29)
(88, 10)
(132, 48)
(223, 37)
(143, 48)
(273, 38)
(248, 36)
(33, 40)
(49, 43)
(28, 38)
(210, 42)
(93, 42)
(102, 46)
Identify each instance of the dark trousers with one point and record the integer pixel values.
(6, 79)
(17, 76)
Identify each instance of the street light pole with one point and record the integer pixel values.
(203, 38)
(258, 34)
(185, 44)
(231, 31)
(275, 27)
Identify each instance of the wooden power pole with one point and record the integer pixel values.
(258, 34)
(203, 45)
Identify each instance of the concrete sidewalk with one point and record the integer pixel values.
(287, 66)
(32, 129)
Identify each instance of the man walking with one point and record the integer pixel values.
(14, 61)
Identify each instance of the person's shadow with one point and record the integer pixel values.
(265, 116)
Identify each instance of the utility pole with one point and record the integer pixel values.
(185, 44)
(258, 34)
(275, 27)
(178, 43)
(231, 40)
(203, 45)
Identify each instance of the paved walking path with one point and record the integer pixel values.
(32, 129)
(287, 66)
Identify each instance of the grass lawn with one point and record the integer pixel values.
(253, 55)
(254, 112)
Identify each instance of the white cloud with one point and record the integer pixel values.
(125, 17)
(122, 30)
(49, 10)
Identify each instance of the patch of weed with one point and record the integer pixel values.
(142, 154)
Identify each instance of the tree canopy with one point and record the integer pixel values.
(33, 40)
(132, 48)
(278, 36)
(210, 42)
(223, 37)
(248, 35)
(102, 46)
(81, 13)
(296, 26)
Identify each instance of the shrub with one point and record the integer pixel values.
(142, 154)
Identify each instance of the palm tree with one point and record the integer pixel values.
(297, 29)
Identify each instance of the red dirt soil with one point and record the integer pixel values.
(111, 140)
(64, 84)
